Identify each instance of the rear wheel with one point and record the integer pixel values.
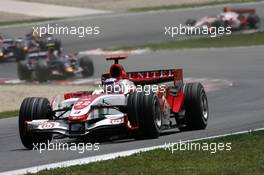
(254, 21)
(87, 66)
(145, 111)
(31, 109)
(23, 72)
(195, 106)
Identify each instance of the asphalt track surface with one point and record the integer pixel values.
(232, 109)
(235, 108)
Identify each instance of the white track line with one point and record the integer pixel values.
(109, 156)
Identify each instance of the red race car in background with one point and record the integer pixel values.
(235, 18)
(135, 104)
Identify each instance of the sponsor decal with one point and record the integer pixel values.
(77, 112)
(47, 125)
(117, 121)
(85, 101)
(81, 104)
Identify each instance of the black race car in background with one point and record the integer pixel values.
(35, 43)
(43, 42)
(18, 48)
(10, 49)
(43, 66)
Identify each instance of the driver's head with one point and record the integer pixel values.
(112, 86)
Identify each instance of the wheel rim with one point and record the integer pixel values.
(204, 106)
(157, 116)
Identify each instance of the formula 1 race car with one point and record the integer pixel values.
(35, 43)
(9, 49)
(42, 66)
(134, 104)
(236, 19)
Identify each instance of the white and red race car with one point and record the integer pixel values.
(134, 104)
(236, 19)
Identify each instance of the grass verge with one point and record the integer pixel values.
(245, 157)
(190, 5)
(8, 114)
(27, 21)
(235, 40)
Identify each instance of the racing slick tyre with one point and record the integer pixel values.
(87, 66)
(33, 108)
(144, 111)
(196, 107)
(254, 21)
(42, 71)
(23, 72)
(190, 22)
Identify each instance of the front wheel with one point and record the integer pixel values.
(31, 109)
(87, 66)
(145, 111)
(23, 72)
(190, 22)
(196, 107)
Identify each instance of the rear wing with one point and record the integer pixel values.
(240, 10)
(153, 76)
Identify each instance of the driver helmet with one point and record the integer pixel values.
(110, 81)
(112, 86)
